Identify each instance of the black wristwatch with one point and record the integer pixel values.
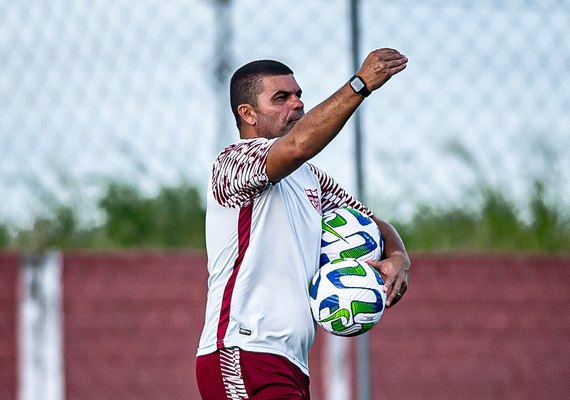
(359, 86)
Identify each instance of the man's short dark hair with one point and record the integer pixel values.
(245, 83)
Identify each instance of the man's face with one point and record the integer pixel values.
(279, 106)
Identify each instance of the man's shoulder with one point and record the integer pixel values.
(245, 145)
(245, 151)
(239, 171)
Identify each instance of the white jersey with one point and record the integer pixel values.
(263, 243)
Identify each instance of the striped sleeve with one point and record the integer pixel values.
(239, 172)
(334, 196)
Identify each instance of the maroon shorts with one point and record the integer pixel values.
(233, 373)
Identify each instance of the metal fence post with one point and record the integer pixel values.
(41, 344)
(363, 345)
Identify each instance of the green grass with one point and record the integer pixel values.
(495, 226)
(174, 218)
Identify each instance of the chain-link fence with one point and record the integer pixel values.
(93, 91)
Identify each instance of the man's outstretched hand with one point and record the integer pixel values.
(380, 65)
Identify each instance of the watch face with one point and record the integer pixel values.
(357, 84)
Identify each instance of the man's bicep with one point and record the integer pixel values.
(281, 160)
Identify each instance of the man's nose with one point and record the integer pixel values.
(297, 103)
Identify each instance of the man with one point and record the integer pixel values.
(263, 231)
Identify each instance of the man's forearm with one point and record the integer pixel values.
(393, 243)
(319, 126)
(313, 132)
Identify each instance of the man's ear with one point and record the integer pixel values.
(247, 114)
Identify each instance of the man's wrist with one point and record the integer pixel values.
(359, 86)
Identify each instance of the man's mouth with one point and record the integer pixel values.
(294, 120)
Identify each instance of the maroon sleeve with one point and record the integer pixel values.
(334, 196)
(239, 172)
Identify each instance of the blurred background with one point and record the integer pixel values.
(107, 102)
(112, 112)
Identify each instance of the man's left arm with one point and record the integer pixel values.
(395, 264)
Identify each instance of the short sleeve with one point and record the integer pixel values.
(334, 196)
(239, 173)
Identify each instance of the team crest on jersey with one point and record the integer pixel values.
(313, 196)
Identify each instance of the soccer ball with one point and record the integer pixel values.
(347, 233)
(347, 297)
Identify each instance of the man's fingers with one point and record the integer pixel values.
(396, 292)
(386, 52)
(396, 63)
(389, 55)
(391, 293)
(395, 284)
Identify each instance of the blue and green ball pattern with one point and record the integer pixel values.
(347, 297)
(347, 233)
